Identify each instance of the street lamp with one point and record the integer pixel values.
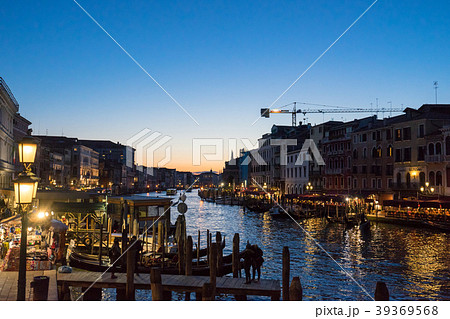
(25, 188)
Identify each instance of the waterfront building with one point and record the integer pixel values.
(317, 134)
(117, 163)
(337, 154)
(85, 167)
(372, 158)
(64, 162)
(295, 173)
(208, 179)
(268, 174)
(419, 150)
(8, 109)
(183, 180)
(230, 173)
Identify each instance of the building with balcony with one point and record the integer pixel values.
(8, 109)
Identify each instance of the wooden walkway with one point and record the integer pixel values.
(8, 284)
(178, 283)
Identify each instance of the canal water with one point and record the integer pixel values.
(413, 262)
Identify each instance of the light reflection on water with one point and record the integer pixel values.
(413, 262)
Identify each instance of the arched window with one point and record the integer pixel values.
(355, 154)
(431, 178)
(422, 178)
(438, 148)
(438, 178)
(408, 180)
(390, 151)
(379, 152)
(399, 180)
(431, 149)
(374, 152)
(365, 152)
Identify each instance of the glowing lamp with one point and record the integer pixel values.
(27, 150)
(25, 188)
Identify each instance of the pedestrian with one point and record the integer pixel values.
(114, 256)
(257, 261)
(248, 255)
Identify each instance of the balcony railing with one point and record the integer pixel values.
(8, 91)
(434, 158)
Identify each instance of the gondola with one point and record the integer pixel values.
(81, 261)
(365, 226)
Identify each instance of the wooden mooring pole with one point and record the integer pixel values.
(129, 289)
(212, 268)
(219, 253)
(286, 273)
(181, 260)
(198, 248)
(235, 256)
(208, 248)
(188, 262)
(156, 284)
(381, 292)
(295, 290)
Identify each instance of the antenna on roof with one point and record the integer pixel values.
(377, 106)
(390, 109)
(435, 83)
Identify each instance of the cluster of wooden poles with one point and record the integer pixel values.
(185, 257)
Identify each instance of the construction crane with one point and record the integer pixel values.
(265, 112)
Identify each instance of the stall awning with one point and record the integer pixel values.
(75, 207)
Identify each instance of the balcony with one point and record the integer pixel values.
(434, 158)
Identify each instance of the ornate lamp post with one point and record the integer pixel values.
(25, 188)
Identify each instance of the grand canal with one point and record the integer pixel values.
(414, 263)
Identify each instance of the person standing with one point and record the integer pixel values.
(257, 261)
(114, 256)
(248, 255)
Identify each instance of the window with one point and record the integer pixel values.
(364, 153)
(407, 154)
(389, 134)
(431, 149)
(421, 153)
(406, 133)
(379, 183)
(399, 180)
(374, 136)
(364, 138)
(431, 178)
(438, 148)
(421, 131)
(355, 154)
(389, 151)
(355, 170)
(364, 181)
(364, 169)
(355, 183)
(438, 178)
(398, 134)
(374, 152)
(398, 155)
(374, 183)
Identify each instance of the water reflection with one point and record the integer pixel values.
(414, 263)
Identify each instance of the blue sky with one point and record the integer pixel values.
(222, 60)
